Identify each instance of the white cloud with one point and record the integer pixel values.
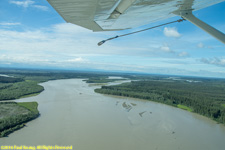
(214, 61)
(171, 32)
(61, 44)
(25, 3)
(79, 59)
(44, 8)
(166, 48)
(200, 45)
(70, 29)
(183, 54)
(28, 3)
(10, 23)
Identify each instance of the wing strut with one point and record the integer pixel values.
(102, 42)
(207, 28)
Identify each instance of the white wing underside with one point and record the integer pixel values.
(100, 15)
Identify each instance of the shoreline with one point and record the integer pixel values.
(180, 106)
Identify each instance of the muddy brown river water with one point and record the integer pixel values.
(73, 114)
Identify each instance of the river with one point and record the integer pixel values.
(73, 114)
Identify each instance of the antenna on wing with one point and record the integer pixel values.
(102, 42)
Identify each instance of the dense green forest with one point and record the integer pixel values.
(10, 79)
(102, 79)
(13, 115)
(200, 95)
(16, 90)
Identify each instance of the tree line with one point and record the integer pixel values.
(10, 79)
(206, 97)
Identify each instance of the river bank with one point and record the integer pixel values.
(205, 97)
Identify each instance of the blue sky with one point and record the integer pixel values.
(33, 35)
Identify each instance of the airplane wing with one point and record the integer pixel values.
(98, 15)
(108, 15)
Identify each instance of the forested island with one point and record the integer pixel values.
(102, 79)
(200, 95)
(15, 115)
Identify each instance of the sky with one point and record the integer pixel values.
(34, 35)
